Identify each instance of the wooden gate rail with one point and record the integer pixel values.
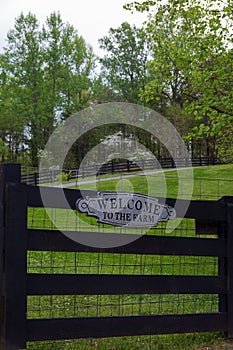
(57, 241)
(103, 327)
(17, 284)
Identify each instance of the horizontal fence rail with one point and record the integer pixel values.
(123, 284)
(54, 175)
(101, 327)
(17, 239)
(42, 240)
(214, 211)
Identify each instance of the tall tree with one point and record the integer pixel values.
(124, 66)
(11, 123)
(69, 64)
(191, 64)
(25, 67)
(45, 76)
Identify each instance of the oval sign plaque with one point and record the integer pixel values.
(125, 209)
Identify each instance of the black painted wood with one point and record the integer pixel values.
(9, 173)
(47, 176)
(15, 240)
(203, 210)
(57, 241)
(102, 327)
(222, 265)
(56, 284)
(54, 197)
(15, 267)
(2, 238)
(230, 267)
(206, 227)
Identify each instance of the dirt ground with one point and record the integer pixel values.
(226, 345)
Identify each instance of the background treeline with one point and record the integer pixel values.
(179, 63)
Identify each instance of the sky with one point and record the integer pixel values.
(92, 18)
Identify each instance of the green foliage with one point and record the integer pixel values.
(124, 66)
(225, 143)
(3, 149)
(63, 177)
(178, 63)
(191, 65)
(45, 74)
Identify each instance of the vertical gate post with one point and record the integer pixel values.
(222, 270)
(113, 167)
(13, 216)
(229, 205)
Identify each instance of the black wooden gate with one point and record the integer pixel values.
(215, 217)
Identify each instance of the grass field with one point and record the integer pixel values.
(210, 183)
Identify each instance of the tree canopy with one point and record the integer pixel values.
(179, 62)
(124, 66)
(45, 75)
(192, 64)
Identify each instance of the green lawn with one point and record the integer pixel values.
(104, 263)
(209, 183)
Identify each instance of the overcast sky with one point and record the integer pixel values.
(92, 18)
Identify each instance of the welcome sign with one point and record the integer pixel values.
(125, 209)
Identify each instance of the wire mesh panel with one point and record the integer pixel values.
(104, 263)
(170, 290)
(168, 280)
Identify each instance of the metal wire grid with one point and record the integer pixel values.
(116, 305)
(119, 305)
(70, 220)
(164, 185)
(204, 188)
(104, 263)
